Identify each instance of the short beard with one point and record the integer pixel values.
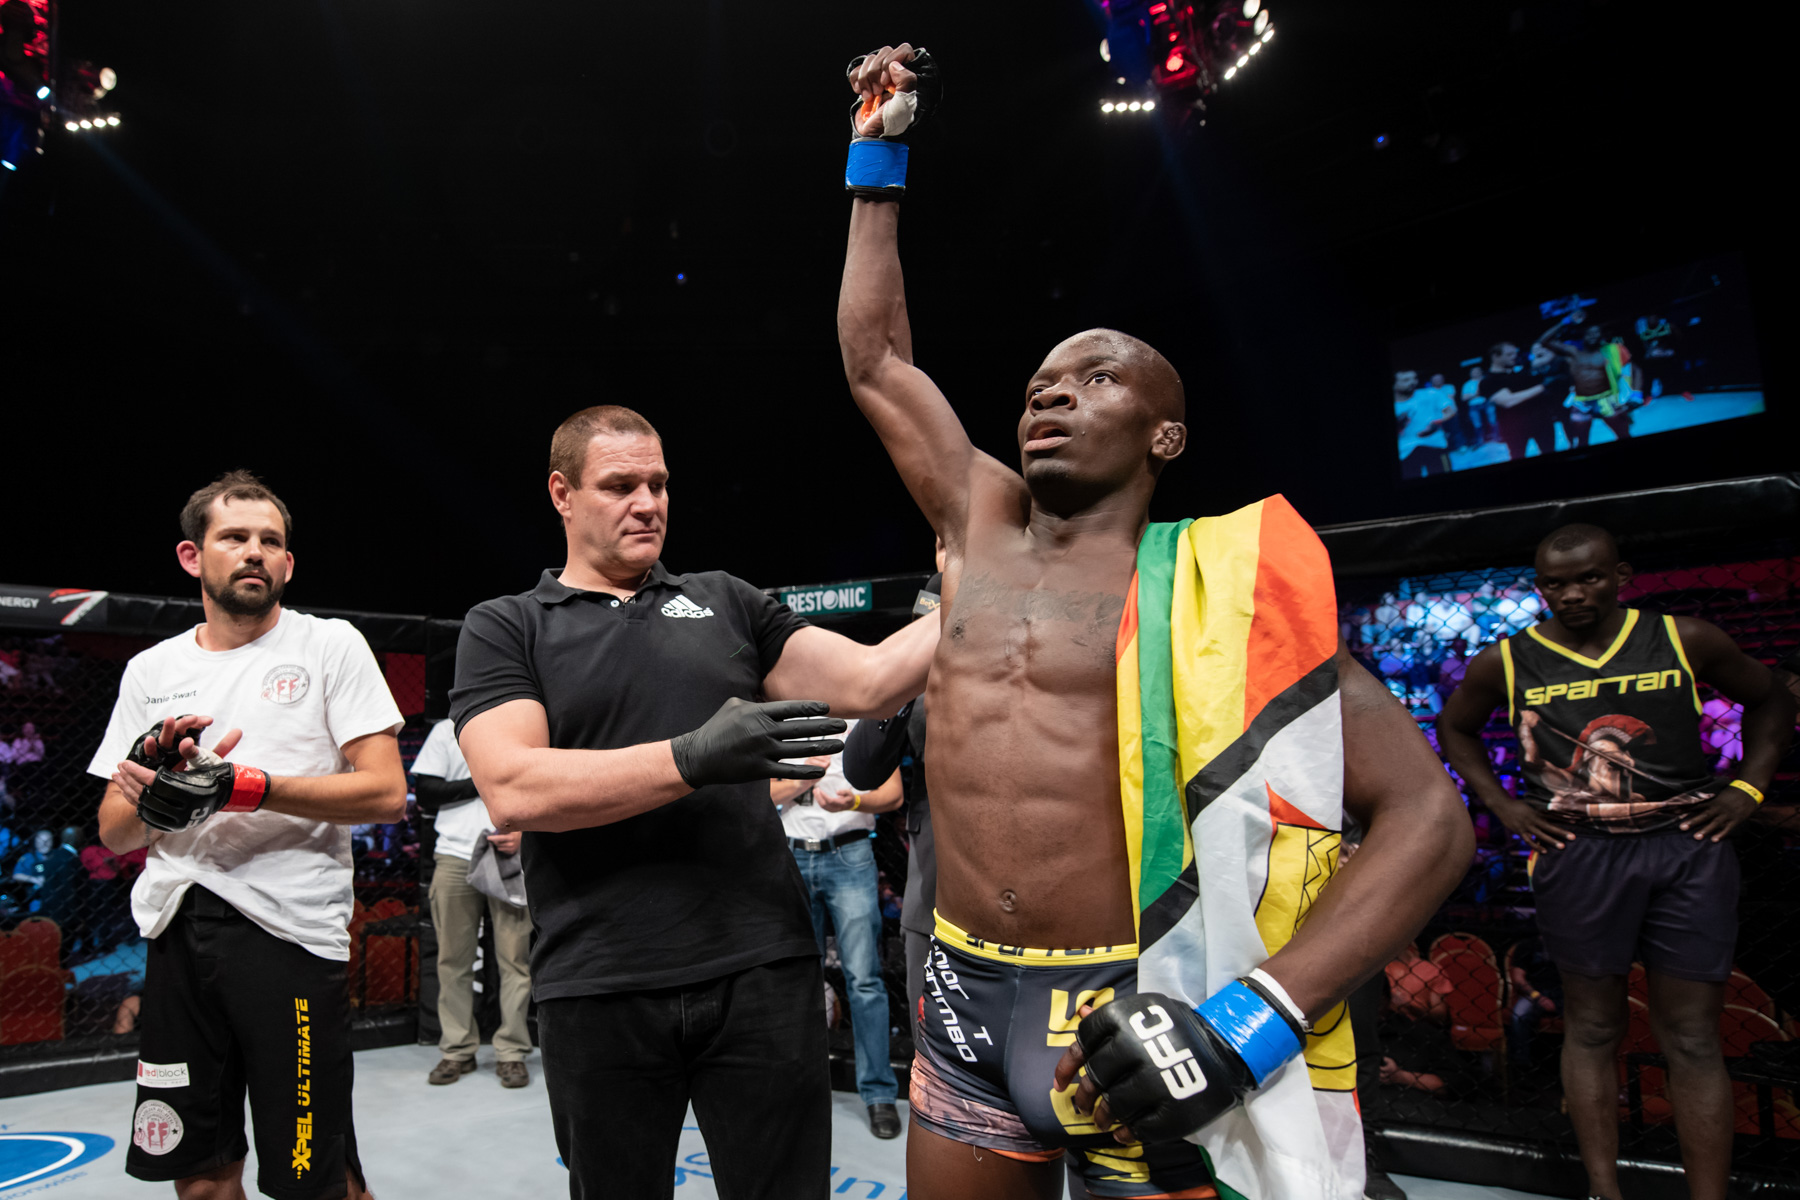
(235, 602)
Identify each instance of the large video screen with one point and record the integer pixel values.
(1651, 355)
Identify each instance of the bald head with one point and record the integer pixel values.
(1156, 379)
(1578, 536)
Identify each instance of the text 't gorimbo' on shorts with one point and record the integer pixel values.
(992, 1024)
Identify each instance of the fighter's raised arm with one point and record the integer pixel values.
(914, 420)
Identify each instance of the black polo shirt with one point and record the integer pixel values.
(698, 888)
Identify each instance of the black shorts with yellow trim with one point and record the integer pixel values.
(992, 1023)
(230, 1010)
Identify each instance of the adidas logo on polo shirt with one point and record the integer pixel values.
(681, 606)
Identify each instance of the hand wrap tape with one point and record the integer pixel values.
(1261, 1036)
(876, 168)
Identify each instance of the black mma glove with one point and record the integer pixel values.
(744, 741)
(178, 800)
(167, 758)
(1166, 1070)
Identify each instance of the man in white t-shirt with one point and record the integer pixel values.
(1422, 413)
(462, 820)
(831, 829)
(245, 987)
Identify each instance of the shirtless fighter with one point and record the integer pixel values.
(1608, 385)
(1025, 772)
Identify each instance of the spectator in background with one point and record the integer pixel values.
(28, 747)
(109, 880)
(1722, 731)
(831, 829)
(1536, 991)
(52, 870)
(443, 786)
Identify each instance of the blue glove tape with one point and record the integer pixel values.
(1259, 1034)
(876, 165)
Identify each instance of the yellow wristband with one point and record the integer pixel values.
(856, 803)
(1747, 789)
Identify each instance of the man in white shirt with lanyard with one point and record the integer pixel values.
(245, 986)
(831, 829)
(456, 908)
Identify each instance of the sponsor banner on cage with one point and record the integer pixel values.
(37, 606)
(835, 598)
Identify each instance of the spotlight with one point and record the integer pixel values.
(681, 277)
(1230, 71)
(1381, 141)
(1255, 46)
(43, 93)
(1244, 61)
(71, 126)
(1106, 106)
(1262, 21)
(86, 124)
(1268, 33)
(1149, 105)
(112, 120)
(1174, 63)
(1134, 106)
(109, 78)
(1105, 51)
(1251, 7)
(7, 164)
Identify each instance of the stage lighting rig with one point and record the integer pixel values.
(38, 87)
(1184, 51)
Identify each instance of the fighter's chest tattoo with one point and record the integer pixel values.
(985, 594)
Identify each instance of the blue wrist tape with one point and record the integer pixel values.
(876, 167)
(1260, 1035)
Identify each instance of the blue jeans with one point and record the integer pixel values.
(844, 881)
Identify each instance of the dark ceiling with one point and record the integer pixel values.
(376, 251)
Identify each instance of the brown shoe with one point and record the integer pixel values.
(512, 1074)
(450, 1070)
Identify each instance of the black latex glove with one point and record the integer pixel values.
(744, 741)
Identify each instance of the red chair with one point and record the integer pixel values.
(1743, 991)
(1449, 943)
(45, 934)
(1475, 1000)
(31, 1006)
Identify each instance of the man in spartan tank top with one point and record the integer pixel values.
(1627, 825)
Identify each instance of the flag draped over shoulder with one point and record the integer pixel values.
(1231, 768)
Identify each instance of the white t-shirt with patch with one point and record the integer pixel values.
(814, 823)
(300, 693)
(458, 825)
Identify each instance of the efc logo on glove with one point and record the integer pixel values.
(1180, 1073)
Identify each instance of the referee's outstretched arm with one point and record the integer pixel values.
(530, 785)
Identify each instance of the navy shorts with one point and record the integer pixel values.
(1662, 899)
(232, 1010)
(992, 1024)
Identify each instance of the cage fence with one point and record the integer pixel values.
(1460, 1034)
(71, 959)
(1463, 1031)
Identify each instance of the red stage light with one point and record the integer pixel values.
(1175, 63)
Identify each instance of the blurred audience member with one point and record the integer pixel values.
(443, 786)
(831, 829)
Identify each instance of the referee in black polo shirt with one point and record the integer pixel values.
(608, 713)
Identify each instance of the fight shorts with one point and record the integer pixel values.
(232, 1010)
(992, 1023)
(1666, 900)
